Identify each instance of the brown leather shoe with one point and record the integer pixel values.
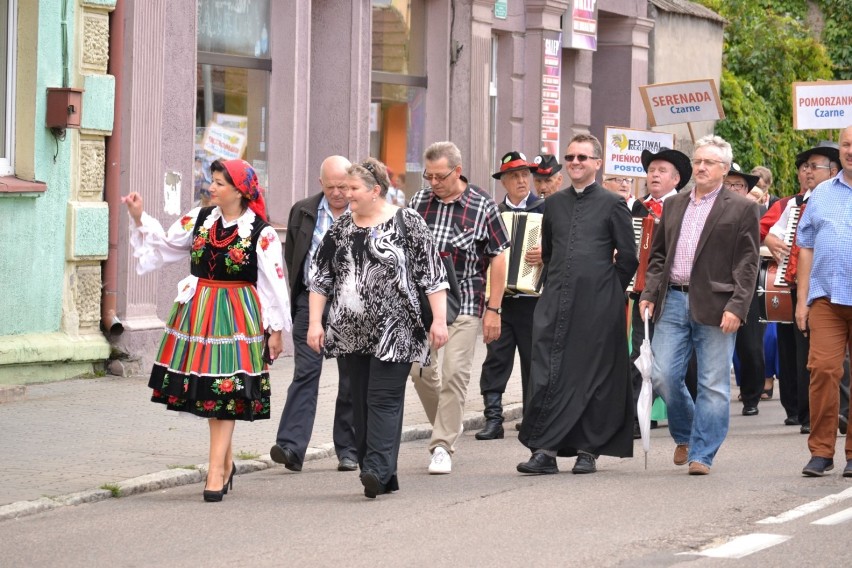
(681, 454)
(698, 468)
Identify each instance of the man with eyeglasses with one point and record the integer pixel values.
(579, 400)
(622, 186)
(820, 163)
(749, 363)
(308, 222)
(824, 308)
(467, 225)
(698, 288)
(517, 316)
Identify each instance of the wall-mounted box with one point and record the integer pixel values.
(64, 107)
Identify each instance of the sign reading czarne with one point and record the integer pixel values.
(687, 101)
(623, 149)
(822, 105)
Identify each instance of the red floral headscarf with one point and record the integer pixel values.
(245, 180)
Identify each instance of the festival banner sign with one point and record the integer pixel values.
(623, 149)
(685, 101)
(822, 105)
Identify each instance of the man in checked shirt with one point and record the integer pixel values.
(467, 225)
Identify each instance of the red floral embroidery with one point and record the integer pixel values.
(186, 222)
(240, 406)
(209, 404)
(173, 399)
(279, 270)
(157, 394)
(265, 240)
(227, 385)
(198, 243)
(258, 406)
(237, 255)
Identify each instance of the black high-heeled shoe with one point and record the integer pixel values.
(214, 496)
(230, 483)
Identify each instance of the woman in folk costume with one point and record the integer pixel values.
(211, 360)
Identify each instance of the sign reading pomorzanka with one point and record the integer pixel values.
(685, 101)
(822, 105)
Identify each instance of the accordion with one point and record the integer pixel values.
(643, 232)
(524, 233)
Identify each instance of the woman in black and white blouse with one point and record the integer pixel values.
(372, 272)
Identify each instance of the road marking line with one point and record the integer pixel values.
(835, 519)
(742, 546)
(807, 508)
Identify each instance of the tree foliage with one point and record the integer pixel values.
(769, 45)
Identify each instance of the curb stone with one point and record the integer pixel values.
(178, 476)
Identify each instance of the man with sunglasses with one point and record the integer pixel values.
(467, 225)
(580, 402)
(698, 288)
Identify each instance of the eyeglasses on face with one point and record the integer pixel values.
(698, 162)
(580, 157)
(813, 166)
(619, 180)
(436, 177)
(737, 186)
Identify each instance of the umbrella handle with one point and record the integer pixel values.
(646, 323)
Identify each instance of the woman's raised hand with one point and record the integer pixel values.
(134, 206)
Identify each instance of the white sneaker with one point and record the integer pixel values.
(441, 462)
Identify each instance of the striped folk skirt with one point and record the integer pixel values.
(210, 361)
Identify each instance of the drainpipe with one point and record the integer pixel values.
(110, 323)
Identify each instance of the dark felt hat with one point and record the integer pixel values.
(511, 162)
(736, 170)
(546, 165)
(678, 159)
(825, 148)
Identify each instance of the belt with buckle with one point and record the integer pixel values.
(680, 287)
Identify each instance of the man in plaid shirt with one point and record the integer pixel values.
(467, 225)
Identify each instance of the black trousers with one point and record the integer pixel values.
(637, 335)
(378, 396)
(515, 333)
(788, 370)
(300, 410)
(749, 349)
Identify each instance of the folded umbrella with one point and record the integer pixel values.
(645, 364)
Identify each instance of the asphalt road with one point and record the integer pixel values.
(483, 514)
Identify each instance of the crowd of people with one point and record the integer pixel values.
(363, 269)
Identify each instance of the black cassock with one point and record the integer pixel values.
(581, 396)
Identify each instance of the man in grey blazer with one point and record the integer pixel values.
(309, 220)
(699, 284)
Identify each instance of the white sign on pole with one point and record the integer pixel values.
(685, 101)
(822, 105)
(623, 149)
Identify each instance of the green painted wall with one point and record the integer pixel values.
(33, 229)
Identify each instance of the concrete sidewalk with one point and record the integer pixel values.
(66, 441)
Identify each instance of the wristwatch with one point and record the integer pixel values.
(497, 311)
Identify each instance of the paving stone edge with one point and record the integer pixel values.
(184, 476)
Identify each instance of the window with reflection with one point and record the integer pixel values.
(7, 11)
(231, 114)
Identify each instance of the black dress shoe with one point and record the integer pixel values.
(637, 431)
(347, 464)
(847, 471)
(750, 411)
(791, 421)
(805, 429)
(818, 466)
(493, 430)
(585, 464)
(285, 456)
(539, 463)
(372, 485)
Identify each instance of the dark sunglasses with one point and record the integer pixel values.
(580, 157)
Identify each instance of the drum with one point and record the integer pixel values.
(776, 301)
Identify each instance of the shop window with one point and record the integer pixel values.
(7, 83)
(397, 114)
(231, 115)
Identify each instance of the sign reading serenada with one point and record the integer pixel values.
(822, 105)
(686, 101)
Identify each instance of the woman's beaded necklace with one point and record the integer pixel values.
(221, 243)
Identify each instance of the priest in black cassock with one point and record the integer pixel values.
(580, 400)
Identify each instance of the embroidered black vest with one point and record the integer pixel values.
(235, 261)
